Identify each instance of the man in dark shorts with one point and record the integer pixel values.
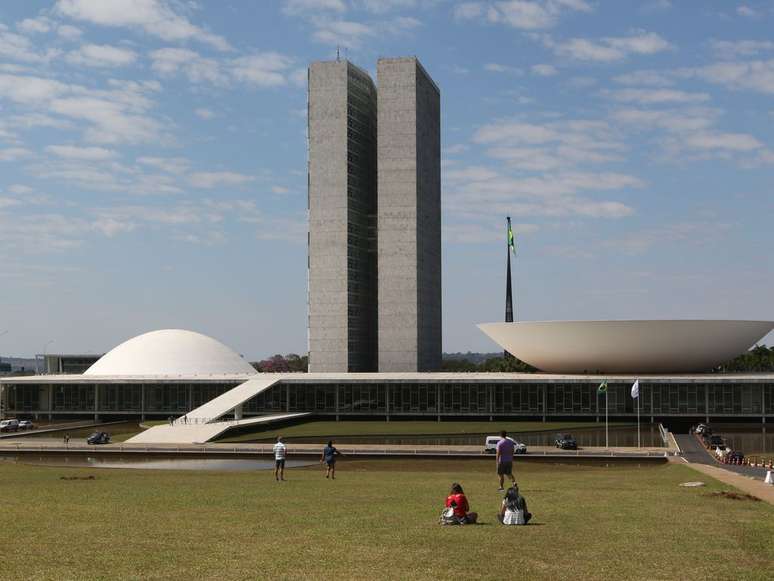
(280, 451)
(504, 458)
(329, 457)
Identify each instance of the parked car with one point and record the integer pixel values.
(715, 442)
(736, 457)
(566, 442)
(26, 425)
(9, 425)
(98, 438)
(702, 429)
(490, 445)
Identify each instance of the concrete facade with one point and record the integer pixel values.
(342, 227)
(409, 217)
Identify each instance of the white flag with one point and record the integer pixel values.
(636, 389)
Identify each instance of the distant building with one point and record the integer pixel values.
(67, 364)
(374, 218)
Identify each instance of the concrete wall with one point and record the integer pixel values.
(342, 199)
(327, 216)
(409, 221)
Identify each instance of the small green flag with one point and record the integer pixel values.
(602, 387)
(511, 239)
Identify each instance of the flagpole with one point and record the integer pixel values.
(639, 444)
(607, 430)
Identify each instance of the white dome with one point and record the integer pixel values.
(170, 352)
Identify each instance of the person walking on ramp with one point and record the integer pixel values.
(504, 459)
(280, 451)
(329, 457)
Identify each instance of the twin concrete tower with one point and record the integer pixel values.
(374, 218)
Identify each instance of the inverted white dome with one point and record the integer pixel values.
(171, 352)
(681, 346)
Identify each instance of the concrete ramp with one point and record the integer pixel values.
(201, 433)
(226, 402)
(201, 424)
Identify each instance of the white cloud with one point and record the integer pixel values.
(721, 141)
(383, 6)
(645, 78)
(14, 153)
(303, 7)
(155, 17)
(111, 121)
(42, 233)
(34, 25)
(203, 113)
(468, 10)
(261, 69)
(343, 33)
(16, 47)
(209, 180)
(610, 49)
(544, 70)
(26, 89)
(268, 69)
(499, 68)
(279, 190)
(20, 189)
(96, 55)
(657, 96)
(83, 153)
(68, 32)
(173, 165)
(746, 11)
(728, 50)
(170, 61)
(521, 14)
(734, 75)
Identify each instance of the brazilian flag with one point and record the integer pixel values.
(511, 239)
(602, 387)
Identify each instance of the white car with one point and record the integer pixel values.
(9, 425)
(25, 425)
(490, 445)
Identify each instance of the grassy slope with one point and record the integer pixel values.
(325, 429)
(376, 520)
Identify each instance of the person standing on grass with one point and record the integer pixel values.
(280, 451)
(504, 459)
(329, 457)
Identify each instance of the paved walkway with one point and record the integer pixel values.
(695, 453)
(745, 478)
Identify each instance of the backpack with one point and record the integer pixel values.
(447, 517)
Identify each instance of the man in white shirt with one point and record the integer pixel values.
(280, 451)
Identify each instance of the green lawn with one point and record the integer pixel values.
(324, 429)
(377, 520)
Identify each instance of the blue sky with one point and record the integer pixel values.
(152, 161)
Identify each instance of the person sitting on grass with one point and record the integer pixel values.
(329, 457)
(513, 510)
(457, 508)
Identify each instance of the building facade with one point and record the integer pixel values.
(342, 218)
(374, 218)
(422, 396)
(409, 217)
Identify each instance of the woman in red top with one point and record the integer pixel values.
(459, 502)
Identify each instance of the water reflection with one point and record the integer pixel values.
(140, 463)
(623, 437)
